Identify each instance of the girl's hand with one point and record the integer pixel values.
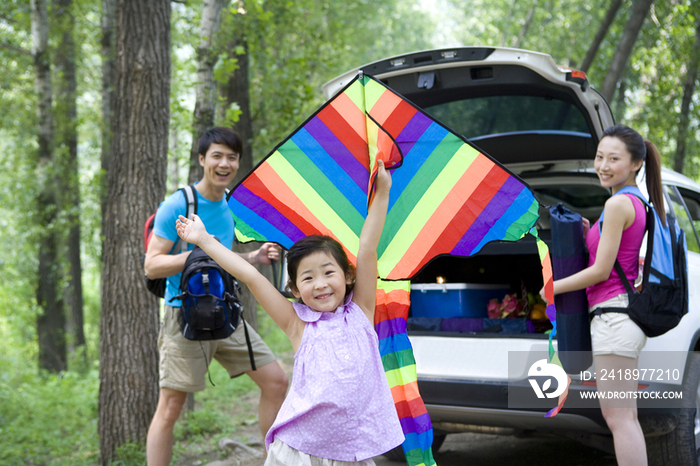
(383, 178)
(586, 226)
(192, 231)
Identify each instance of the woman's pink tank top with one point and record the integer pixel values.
(627, 255)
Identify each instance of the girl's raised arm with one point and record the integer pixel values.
(365, 290)
(271, 300)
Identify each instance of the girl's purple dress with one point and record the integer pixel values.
(339, 405)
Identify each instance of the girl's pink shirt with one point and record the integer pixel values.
(628, 255)
(339, 405)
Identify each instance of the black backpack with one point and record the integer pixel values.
(663, 299)
(157, 285)
(211, 308)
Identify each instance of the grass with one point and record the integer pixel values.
(52, 420)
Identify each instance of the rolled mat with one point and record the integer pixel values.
(568, 257)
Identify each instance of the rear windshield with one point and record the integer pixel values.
(484, 116)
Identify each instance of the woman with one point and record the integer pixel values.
(616, 339)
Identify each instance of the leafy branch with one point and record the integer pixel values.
(16, 49)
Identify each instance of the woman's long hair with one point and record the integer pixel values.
(644, 150)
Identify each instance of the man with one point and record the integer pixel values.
(184, 363)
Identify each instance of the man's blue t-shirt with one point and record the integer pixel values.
(217, 219)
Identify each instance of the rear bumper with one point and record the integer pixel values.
(462, 405)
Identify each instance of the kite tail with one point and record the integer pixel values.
(548, 280)
(393, 301)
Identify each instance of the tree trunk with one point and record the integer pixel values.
(107, 27)
(67, 158)
(688, 91)
(136, 183)
(206, 89)
(51, 321)
(173, 162)
(526, 25)
(600, 35)
(506, 25)
(624, 48)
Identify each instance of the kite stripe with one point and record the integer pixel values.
(291, 182)
(410, 408)
(398, 359)
(275, 191)
(507, 188)
(356, 93)
(467, 214)
(326, 176)
(400, 117)
(407, 392)
(399, 366)
(373, 92)
(339, 150)
(303, 227)
(441, 218)
(417, 425)
(390, 327)
(503, 229)
(385, 106)
(401, 376)
(413, 132)
(393, 343)
(265, 218)
(415, 177)
(244, 233)
(353, 115)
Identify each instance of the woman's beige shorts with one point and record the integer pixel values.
(184, 363)
(614, 332)
(281, 454)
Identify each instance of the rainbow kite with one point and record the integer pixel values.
(446, 198)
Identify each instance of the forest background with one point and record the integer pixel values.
(100, 101)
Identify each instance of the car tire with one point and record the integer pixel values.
(397, 453)
(679, 447)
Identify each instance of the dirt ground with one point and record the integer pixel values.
(244, 447)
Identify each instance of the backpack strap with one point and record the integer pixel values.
(247, 341)
(628, 288)
(192, 203)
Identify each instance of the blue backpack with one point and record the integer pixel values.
(211, 308)
(663, 299)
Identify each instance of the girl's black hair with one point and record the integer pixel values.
(644, 150)
(318, 243)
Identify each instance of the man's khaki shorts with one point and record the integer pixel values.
(184, 363)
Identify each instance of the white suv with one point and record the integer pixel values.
(542, 122)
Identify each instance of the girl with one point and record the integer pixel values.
(339, 410)
(616, 339)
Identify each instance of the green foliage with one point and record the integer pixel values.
(203, 421)
(224, 67)
(650, 93)
(233, 114)
(294, 47)
(49, 419)
(274, 337)
(130, 454)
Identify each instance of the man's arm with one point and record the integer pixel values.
(159, 262)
